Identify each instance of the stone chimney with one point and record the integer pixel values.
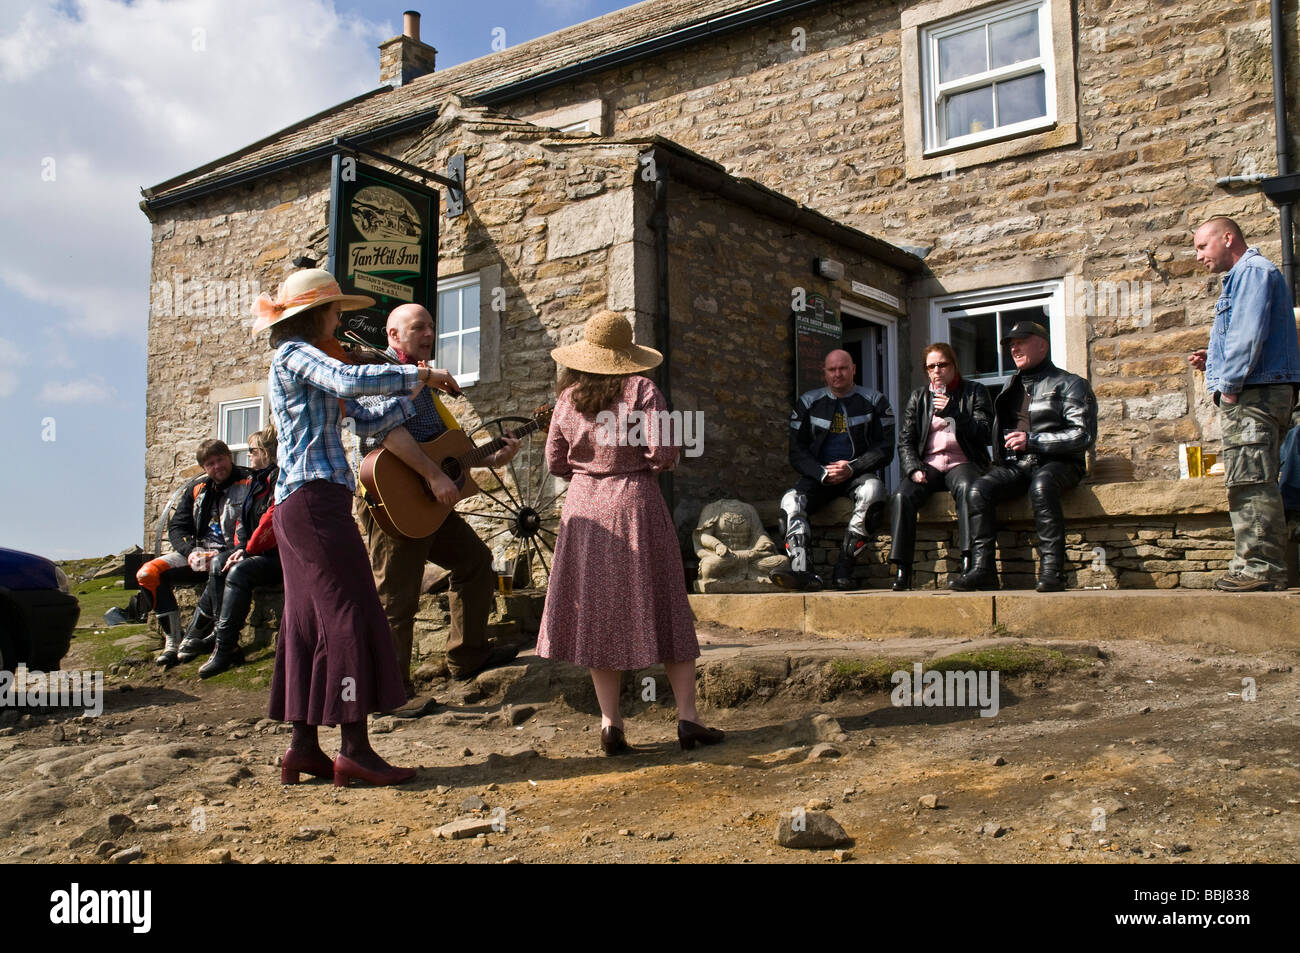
(405, 58)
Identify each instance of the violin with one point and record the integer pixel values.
(357, 351)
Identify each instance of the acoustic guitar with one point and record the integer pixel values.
(399, 499)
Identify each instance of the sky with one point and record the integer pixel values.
(99, 98)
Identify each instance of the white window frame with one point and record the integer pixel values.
(921, 158)
(224, 407)
(1050, 294)
(935, 92)
(459, 283)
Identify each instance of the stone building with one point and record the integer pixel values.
(963, 163)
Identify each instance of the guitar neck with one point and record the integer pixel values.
(476, 456)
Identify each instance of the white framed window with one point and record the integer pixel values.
(459, 333)
(988, 75)
(237, 420)
(986, 81)
(974, 323)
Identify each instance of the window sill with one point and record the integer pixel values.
(1018, 144)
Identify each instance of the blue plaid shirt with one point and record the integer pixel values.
(304, 386)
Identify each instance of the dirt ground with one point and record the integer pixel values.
(1135, 753)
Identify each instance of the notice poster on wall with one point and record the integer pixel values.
(383, 243)
(817, 332)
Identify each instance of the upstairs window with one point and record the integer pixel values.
(988, 75)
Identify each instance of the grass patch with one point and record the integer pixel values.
(876, 674)
(95, 598)
(94, 649)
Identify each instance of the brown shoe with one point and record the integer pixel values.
(1240, 582)
(612, 741)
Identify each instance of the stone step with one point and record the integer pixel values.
(1256, 621)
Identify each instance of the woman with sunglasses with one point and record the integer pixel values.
(942, 443)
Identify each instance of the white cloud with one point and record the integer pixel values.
(91, 389)
(26, 50)
(117, 95)
(9, 360)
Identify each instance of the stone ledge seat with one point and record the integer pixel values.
(1141, 534)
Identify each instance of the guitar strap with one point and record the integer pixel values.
(449, 420)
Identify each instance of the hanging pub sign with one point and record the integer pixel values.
(817, 332)
(383, 243)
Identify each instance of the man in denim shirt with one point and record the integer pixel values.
(1251, 367)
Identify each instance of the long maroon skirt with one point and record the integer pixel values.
(334, 661)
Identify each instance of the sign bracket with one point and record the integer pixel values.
(454, 181)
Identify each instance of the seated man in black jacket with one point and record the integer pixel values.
(1045, 421)
(943, 443)
(201, 527)
(841, 437)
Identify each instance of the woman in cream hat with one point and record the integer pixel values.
(616, 600)
(334, 662)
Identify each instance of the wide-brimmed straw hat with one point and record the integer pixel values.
(606, 348)
(302, 290)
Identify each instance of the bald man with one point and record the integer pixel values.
(1251, 367)
(398, 564)
(841, 439)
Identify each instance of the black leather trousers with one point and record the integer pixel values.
(910, 497)
(233, 593)
(1045, 483)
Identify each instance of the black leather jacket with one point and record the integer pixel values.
(1062, 416)
(871, 430)
(970, 408)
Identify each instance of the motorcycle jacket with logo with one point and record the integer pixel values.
(870, 424)
(205, 503)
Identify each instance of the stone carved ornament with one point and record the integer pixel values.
(735, 554)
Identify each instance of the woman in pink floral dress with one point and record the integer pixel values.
(616, 600)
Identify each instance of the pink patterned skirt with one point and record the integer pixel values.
(617, 593)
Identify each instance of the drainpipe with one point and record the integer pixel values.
(1286, 212)
(663, 336)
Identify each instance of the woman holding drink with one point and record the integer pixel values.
(943, 442)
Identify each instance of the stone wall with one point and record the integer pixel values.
(198, 353)
(1119, 536)
(557, 227)
(548, 219)
(1170, 96)
(731, 274)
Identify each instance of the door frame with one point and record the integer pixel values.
(890, 324)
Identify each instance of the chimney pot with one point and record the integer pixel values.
(404, 58)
